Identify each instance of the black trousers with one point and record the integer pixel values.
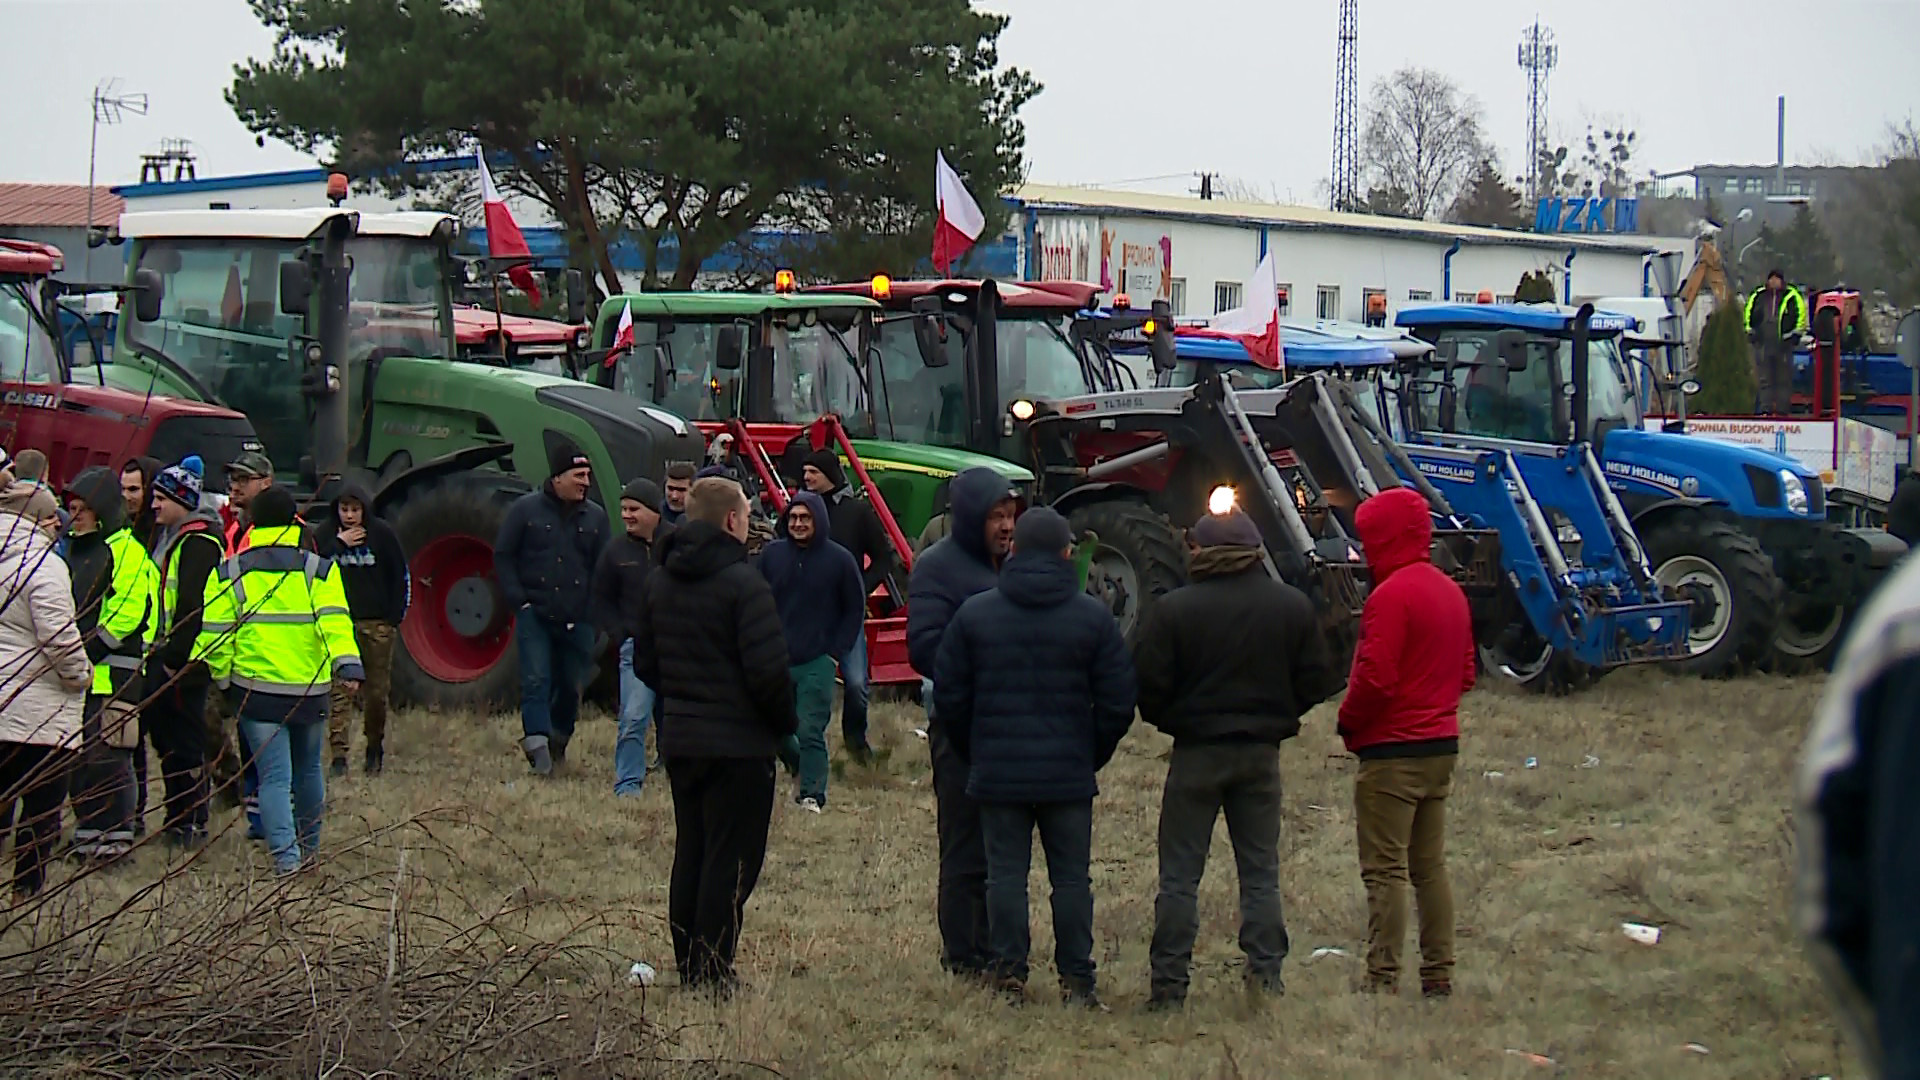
(965, 946)
(101, 788)
(176, 720)
(721, 810)
(35, 776)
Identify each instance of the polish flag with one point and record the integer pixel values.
(1255, 324)
(504, 240)
(960, 221)
(622, 334)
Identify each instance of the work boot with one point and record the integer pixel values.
(1436, 988)
(376, 760)
(557, 746)
(1081, 997)
(339, 770)
(861, 753)
(1166, 1000)
(538, 754)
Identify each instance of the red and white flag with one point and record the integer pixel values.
(622, 334)
(504, 240)
(960, 221)
(1255, 324)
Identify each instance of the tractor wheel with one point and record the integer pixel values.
(1521, 657)
(1731, 583)
(1139, 558)
(457, 641)
(1809, 640)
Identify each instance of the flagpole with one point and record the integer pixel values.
(499, 331)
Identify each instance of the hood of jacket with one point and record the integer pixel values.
(1038, 579)
(348, 490)
(1396, 531)
(970, 498)
(163, 548)
(821, 522)
(99, 487)
(697, 550)
(22, 543)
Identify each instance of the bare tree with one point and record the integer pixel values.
(1423, 139)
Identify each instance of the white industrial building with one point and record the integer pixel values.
(1197, 254)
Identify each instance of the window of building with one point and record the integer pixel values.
(1177, 295)
(1793, 187)
(1754, 185)
(1373, 306)
(1464, 297)
(1226, 296)
(1419, 294)
(1732, 185)
(1326, 302)
(1504, 298)
(1283, 295)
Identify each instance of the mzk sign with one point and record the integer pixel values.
(1578, 214)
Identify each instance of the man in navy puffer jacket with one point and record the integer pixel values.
(1035, 689)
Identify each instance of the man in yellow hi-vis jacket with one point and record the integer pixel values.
(274, 634)
(116, 590)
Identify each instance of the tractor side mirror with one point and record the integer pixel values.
(576, 296)
(930, 331)
(728, 344)
(1447, 352)
(1159, 331)
(1511, 347)
(296, 287)
(149, 288)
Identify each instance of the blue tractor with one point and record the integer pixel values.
(1578, 596)
(1741, 533)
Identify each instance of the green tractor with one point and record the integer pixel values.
(333, 332)
(772, 363)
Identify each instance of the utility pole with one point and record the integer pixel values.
(1538, 57)
(1345, 179)
(108, 106)
(1206, 185)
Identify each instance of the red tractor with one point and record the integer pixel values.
(79, 424)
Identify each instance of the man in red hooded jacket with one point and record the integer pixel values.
(1401, 717)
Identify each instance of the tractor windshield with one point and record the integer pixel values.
(27, 352)
(1491, 401)
(402, 301)
(814, 374)
(1037, 360)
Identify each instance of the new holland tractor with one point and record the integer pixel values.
(1748, 536)
(333, 332)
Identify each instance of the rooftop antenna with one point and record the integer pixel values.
(109, 105)
(1345, 181)
(1538, 57)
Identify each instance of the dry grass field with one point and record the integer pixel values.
(1654, 799)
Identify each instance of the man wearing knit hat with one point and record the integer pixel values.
(1035, 691)
(857, 528)
(1227, 666)
(188, 548)
(619, 602)
(543, 560)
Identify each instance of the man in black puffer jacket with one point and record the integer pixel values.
(707, 638)
(543, 561)
(1035, 689)
(1227, 667)
(982, 506)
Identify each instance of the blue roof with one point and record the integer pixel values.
(1543, 317)
(1296, 350)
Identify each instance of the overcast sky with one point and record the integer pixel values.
(1134, 88)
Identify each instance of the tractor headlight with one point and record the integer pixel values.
(1221, 501)
(1794, 490)
(580, 339)
(1021, 409)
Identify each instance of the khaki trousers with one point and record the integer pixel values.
(1399, 808)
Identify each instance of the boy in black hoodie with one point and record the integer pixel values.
(857, 528)
(191, 545)
(822, 609)
(373, 570)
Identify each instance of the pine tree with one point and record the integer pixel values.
(1725, 370)
(1536, 287)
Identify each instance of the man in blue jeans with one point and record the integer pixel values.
(857, 528)
(619, 602)
(1034, 688)
(543, 560)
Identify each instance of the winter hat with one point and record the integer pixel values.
(1042, 529)
(272, 508)
(181, 483)
(643, 491)
(566, 457)
(1226, 530)
(828, 463)
(712, 470)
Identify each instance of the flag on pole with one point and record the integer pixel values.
(960, 221)
(504, 240)
(1255, 324)
(622, 334)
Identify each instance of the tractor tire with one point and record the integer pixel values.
(456, 645)
(1544, 671)
(1140, 558)
(1810, 641)
(1730, 580)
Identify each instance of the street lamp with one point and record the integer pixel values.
(109, 104)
